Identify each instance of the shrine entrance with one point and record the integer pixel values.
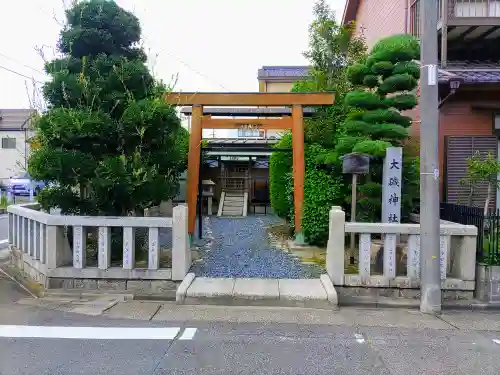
(293, 122)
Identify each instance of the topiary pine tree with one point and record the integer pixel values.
(109, 145)
(389, 76)
(108, 141)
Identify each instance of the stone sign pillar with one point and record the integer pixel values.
(391, 185)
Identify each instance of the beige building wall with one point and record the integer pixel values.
(14, 132)
(279, 86)
(13, 151)
(378, 19)
(275, 87)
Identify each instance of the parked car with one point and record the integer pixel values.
(23, 184)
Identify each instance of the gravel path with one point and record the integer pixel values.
(238, 247)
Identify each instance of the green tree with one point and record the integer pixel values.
(482, 170)
(332, 48)
(387, 78)
(108, 144)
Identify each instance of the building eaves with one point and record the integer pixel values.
(350, 12)
(281, 72)
(475, 72)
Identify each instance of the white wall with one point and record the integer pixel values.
(12, 161)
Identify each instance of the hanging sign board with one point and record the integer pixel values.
(355, 163)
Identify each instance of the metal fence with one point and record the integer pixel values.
(488, 228)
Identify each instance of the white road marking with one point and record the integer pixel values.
(496, 341)
(359, 338)
(188, 334)
(90, 333)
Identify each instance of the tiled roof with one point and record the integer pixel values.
(282, 72)
(15, 119)
(470, 71)
(474, 71)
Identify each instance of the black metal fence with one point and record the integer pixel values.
(488, 228)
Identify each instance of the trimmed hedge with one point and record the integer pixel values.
(280, 168)
(322, 190)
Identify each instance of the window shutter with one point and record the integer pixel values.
(458, 149)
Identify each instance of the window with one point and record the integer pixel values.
(248, 133)
(9, 143)
(497, 122)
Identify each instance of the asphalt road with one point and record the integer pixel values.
(396, 342)
(210, 347)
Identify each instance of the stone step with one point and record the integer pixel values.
(307, 293)
(233, 199)
(232, 209)
(232, 213)
(234, 204)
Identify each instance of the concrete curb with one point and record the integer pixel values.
(54, 293)
(180, 295)
(414, 304)
(331, 293)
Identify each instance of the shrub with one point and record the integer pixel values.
(322, 190)
(280, 169)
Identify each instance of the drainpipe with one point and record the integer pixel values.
(406, 15)
(23, 127)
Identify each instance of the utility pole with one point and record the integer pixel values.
(430, 277)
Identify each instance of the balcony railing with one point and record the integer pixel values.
(455, 9)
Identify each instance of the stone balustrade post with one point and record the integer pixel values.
(181, 253)
(335, 249)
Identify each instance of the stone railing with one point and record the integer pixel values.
(397, 242)
(40, 246)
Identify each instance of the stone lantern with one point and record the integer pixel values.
(208, 190)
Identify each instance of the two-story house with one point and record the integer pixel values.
(14, 135)
(469, 33)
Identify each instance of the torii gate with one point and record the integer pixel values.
(199, 122)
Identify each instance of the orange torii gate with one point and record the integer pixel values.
(199, 122)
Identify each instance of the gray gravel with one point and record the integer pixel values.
(238, 247)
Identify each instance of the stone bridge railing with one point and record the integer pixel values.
(398, 253)
(40, 246)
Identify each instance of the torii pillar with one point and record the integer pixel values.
(299, 170)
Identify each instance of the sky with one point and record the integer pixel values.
(215, 45)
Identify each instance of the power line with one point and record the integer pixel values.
(168, 53)
(20, 63)
(196, 71)
(20, 74)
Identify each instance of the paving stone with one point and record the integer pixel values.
(303, 289)
(112, 284)
(139, 310)
(161, 286)
(256, 289)
(139, 286)
(92, 307)
(85, 284)
(211, 287)
(46, 302)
